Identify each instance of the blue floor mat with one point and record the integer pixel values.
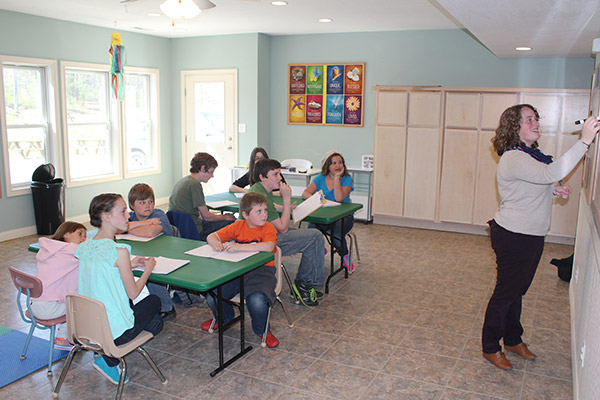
(11, 345)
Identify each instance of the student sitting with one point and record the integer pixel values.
(105, 275)
(253, 233)
(309, 242)
(188, 196)
(57, 268)
(147, 221)
(239, 186)
(336, 184)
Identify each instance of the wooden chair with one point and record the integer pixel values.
(279, 273)
(32, 287)
(88, 329)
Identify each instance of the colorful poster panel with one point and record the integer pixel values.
(314, 79)
(353, 79)
(335, 79)
(314, 109)
(352, 110)
(334, 113)
(297, 107)
(298, 79)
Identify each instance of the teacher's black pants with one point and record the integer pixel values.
(517, 258)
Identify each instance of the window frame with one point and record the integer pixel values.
(154, 109)
(51, 112)
(114, 124)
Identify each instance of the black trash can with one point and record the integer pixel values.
(48, 200)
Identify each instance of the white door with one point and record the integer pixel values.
(209, 122)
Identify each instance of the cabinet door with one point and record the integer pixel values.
(388, 170)
(391, 108)
(424, 109)
(492, 107)
(462, 110)
(487, 199)
(458, 175)
(422, 166)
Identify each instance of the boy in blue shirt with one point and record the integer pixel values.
(147, 221)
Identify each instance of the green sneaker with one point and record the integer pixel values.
(305, 293)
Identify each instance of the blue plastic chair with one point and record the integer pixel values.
(32, 287)
(185, 223)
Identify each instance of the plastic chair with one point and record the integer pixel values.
(297, 164)
(88, 329)
(184, 223)
(279, 273)
(33, 288)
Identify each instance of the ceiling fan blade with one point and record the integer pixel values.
(205, 4)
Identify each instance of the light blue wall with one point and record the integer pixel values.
(448, 58)
(30, 36)
(218, 52)
(441, 57)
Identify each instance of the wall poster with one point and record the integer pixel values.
(326, 94)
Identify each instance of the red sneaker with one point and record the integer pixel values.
(271, 340)
(205, 326)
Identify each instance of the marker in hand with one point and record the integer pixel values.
(581, 121)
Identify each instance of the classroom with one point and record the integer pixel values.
(407, 323)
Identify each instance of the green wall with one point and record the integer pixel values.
(446, 57)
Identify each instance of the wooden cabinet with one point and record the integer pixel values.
(434, 163)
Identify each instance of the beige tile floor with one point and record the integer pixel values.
(406, 325)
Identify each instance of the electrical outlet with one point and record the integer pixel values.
(242, 128)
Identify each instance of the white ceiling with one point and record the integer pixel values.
(554, 28)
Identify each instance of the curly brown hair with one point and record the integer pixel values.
(202, 160)
(507, 132)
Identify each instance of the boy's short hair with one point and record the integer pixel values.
(202, 159)
(139, 191)
(263, 167)
(250, 200)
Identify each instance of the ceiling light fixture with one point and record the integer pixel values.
(325, 20)
(176, 9)
(523, 48)
(153, 14)
(279, 3)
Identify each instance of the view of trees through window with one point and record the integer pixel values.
(26, 121)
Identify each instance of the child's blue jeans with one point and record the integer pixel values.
(257, 304)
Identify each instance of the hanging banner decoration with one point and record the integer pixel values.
(326, 94)
(118, 58)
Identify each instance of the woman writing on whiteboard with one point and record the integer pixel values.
(526, 184)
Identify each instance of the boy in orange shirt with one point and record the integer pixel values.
(253, 233)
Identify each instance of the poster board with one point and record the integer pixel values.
(591, 168)
(326, 94)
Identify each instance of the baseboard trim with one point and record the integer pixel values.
(482, 230)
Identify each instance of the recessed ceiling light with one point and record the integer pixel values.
(325, 20)
(523, 48)
(279, 3)
(152, 14)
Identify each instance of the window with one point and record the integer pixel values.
(99, 130)
(141, 122)
(28, 115)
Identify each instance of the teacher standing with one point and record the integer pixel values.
(526, 184)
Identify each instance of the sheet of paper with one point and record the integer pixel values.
(207, 251)
(221, 203)
(308, 206)
(135, 238)
(164, 265)
(329, 203)
(239, 195)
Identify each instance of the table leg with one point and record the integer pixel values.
(332, 259)
(243, 349)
